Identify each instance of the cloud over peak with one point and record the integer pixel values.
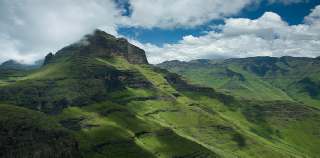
(30, 29)
(33, 28)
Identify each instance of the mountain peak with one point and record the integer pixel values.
(16, 65)
(102, 44)
(98, 32)
(10, 62)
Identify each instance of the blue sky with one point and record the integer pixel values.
(165, 29)
(293, 13)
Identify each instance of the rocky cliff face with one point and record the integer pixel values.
(48, 59)
(101, 44)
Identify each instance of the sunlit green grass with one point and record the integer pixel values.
(152, 122)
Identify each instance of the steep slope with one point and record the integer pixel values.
(30, 134)
(287, 125)
(271, 113)
(115, 104)
(258, 78)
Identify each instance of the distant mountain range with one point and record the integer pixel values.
(14, 68)
(101, 98)
(257, 78)
(15, 65)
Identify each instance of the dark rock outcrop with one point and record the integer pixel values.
(183, 86)
(48, 59)
(310, 86)
(101, 44)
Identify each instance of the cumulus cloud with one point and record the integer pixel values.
(314, 17)
(187, 13)
(181, 13)
(9, 50)
(32, 28)
(268, 35)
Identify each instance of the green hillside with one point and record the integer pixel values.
(27, 133)
(257, 78)
(103, 99)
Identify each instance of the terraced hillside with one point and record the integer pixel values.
(100, 98)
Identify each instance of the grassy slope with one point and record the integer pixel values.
(285, 125)
(30, 134)
(102, 136)
(273, 116)
(156, 122)
(250, 88)
(261, 78)
(192, 123)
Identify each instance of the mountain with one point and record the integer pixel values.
(100, 98)
(12, 68)
(15, 65)
(101, 45)
(257, 78)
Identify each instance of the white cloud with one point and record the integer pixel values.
(8, 50)
(33, 28)
(287, 2)
(314, 16)
(268, 35)
(187, 13)
(181, 13)
(30, 29)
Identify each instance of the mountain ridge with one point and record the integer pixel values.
(15, 65)
(239, 75)
(101, 44)
(110, 106)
